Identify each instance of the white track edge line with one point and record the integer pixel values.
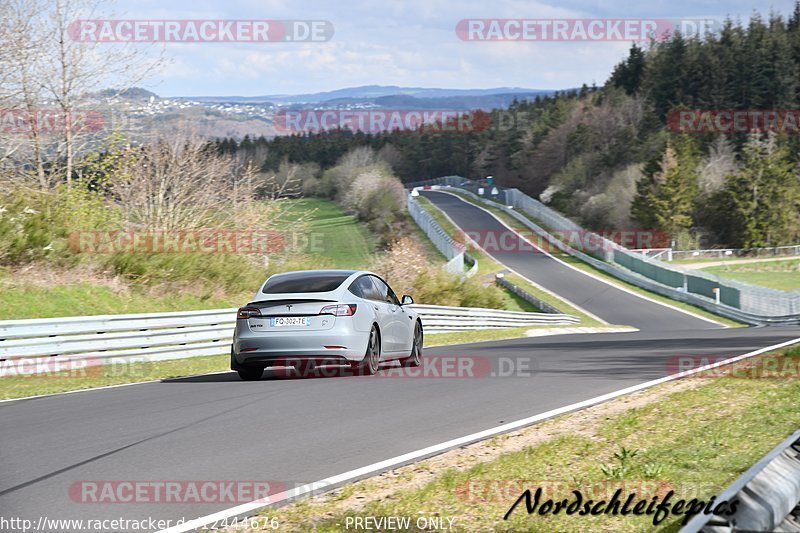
(386, 464)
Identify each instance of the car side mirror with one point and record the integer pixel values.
(407, 300)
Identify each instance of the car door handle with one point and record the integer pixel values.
(375, 307)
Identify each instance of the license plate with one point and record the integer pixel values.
(281, 321)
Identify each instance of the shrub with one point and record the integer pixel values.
(35, 224)
(401, 264)
(204, 273)
(438, 287)
(379, 199)
(407, 270)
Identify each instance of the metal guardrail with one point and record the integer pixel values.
(442, 318)
(454, 251)
(768, 492)
(46, 345)
(740, 301)
(633, 278)
(525, 295)
(751, 300)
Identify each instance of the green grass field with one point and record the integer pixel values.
(781, 275)
(338, 239)
(729, 259)
(85, 299)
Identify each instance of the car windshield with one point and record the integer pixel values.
(303, 282)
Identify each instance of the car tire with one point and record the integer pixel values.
(251, 373)
(415, 359)
(372, 359)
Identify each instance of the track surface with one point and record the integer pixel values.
(291, 431)
(609, 303)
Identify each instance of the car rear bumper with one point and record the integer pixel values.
(276, 347)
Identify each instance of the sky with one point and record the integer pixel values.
(389, 42)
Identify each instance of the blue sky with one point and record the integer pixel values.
(399, 43)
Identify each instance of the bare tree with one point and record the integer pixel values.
(73, 67)
(184, 183)
(47, 71)
(21, 35)
(718, 165)
(175, 184)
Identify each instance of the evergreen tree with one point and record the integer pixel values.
(665, 199)
(764, 196)
(628, 74)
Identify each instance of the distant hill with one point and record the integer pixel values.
(144, 112)
(372, 92)
(134, 93)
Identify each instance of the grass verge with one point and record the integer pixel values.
(340, 239)
(83, 299)
(700, 261)
(781, 275)
(110, 374)
(482, 335)
(677, 436)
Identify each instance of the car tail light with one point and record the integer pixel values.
(248, 312)
(339, 310)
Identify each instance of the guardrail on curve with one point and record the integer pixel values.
(455, 252)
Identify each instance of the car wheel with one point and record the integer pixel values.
(251, 374)
(369, 365)
(415, 359)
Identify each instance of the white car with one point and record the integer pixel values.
(316, 317)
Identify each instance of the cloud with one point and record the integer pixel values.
(400, 43)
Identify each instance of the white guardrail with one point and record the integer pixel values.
(455, 252)
(31, 345)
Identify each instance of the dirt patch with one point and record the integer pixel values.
(47, 276)
(43, 275)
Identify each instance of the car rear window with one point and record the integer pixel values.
(303, 282)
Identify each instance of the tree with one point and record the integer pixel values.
(180, 184)
(22, 37)
(628, 74)
(70, 67)
(764, 195)
(46, 69)
(665, 199)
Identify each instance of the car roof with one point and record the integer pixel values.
(311, 273)
(299, 275)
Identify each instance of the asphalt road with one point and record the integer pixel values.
(292, 431)
(609, 303)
